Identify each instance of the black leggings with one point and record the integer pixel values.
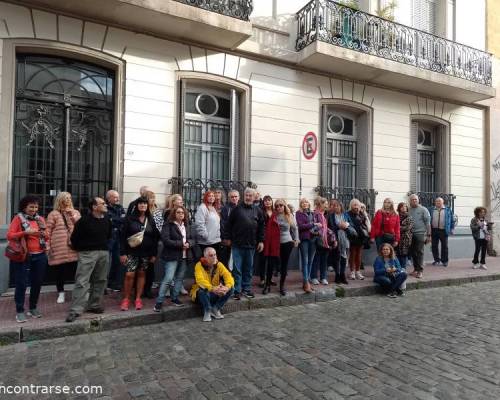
(481, 245)
(272, 264)
(61, 272)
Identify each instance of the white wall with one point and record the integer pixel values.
(471, 23)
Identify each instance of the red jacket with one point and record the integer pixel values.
(16, 232)
(271, 236)
(391, 225)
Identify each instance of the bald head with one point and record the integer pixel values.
(112, 197)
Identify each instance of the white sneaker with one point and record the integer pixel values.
(183, 290)
(483, 266)
(60, 298)
(352, 276)
(207, 317)
(359, 276)
(330, 269)
(216, 314)
(315, 281)
(324, 282)
(475, 266)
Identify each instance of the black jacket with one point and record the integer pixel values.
(91, 233)
(171, 237)
(245, 226)
(116, 214)
(149, 245)
(224, 216)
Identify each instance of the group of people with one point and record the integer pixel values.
(114, 248)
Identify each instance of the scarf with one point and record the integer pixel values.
(25, 218)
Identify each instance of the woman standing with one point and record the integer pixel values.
(140, 256)
(338, 224)
(219, 200)
(289, 238)
(386, 226)
(207, 223)
(28, 228)
(307, 246)
(173, 201)
(271, 252)
(406, 234)
(357, 233)
(322, 247)
(157, 219)
(481, 236)
(177, 252)
(60, 224)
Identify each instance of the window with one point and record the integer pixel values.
(429, 157)
(344, 159)
(63, 135)
(424, 15)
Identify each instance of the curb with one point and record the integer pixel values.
(131, 319)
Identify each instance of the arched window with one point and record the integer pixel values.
(429, 156)
(63, 135)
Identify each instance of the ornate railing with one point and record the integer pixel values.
(333, 23)
(427, 199)
(192, 190)
(346, 194)
(240, 9)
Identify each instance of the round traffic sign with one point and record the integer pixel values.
(309, 145)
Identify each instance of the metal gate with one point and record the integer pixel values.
(63, 135)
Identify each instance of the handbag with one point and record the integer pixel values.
(16, 250)
(136, 239)
(386, 237)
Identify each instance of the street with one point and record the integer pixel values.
(432, 344)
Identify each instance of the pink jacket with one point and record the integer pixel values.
(59, 250)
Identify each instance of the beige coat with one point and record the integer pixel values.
(59, 251)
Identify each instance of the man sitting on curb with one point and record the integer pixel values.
(213, 285)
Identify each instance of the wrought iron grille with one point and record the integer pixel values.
(240, 9)
(346, 194)
(427, 199)
(333, 23)
(63, 135)
(426, 170)
(341, 162)
(192, 190)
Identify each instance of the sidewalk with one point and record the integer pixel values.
(52, 324)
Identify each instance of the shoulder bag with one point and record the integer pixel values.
(136, 239)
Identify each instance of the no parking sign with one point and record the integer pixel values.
(309, 145)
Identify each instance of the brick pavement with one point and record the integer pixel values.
(53, 325)
(438, 343)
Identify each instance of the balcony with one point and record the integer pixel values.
(192, 189)
(358, 45)
(345, 194)
(222, 23)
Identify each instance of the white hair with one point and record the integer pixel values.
(250, 190)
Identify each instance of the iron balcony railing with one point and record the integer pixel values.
(192, 190)
(333, 23)
(427, 199)
(240, 9)
(346, 194)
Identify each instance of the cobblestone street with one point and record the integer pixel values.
(432, 344)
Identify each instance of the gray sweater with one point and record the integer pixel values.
(207, 225)
(285, 235)
(421, 219)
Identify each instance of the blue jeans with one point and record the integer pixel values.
(390, 284)
(209, 300)
(174, 270)
(116, 270)
(307, 250)
(243, 268)
(319, 262)
(403, 260)
(29, 273)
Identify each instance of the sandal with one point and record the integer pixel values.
(124, 304)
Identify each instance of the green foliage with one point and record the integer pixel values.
(339, 291)
(387, 12)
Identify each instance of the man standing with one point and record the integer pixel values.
(442, 225)
(233, 200)
(116, 214)
(90, 238)
(142, 193)
(421, 234)
(244, 231)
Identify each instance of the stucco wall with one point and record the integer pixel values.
(284, 106)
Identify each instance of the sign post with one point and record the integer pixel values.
(308, 149)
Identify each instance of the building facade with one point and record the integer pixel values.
(178, 94)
